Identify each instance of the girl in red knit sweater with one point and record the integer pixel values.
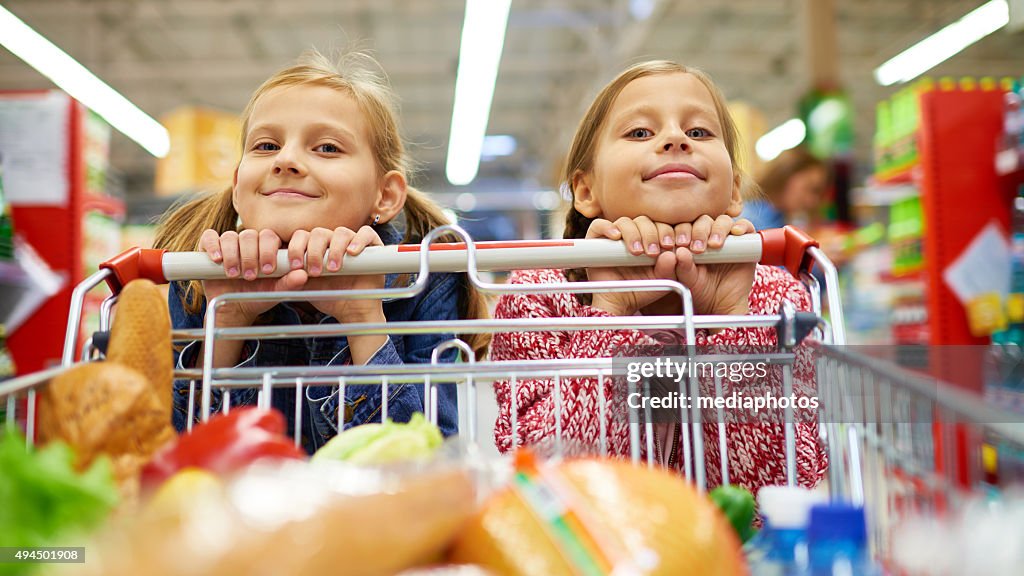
(653, 164)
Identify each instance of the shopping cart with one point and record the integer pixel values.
(893, 436)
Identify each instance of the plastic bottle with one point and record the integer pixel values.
(1013, 121)
(1015, 304)
(6, 226)
(837, 542)
(780, 548)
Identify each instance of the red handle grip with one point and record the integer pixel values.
(132, 264)
(787, 247)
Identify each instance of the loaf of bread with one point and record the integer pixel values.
(642, 521)
(140, 337)
(105, 408)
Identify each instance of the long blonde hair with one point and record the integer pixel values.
(584, 142)
(359, 76)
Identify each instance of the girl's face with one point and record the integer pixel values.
(308, 163)
(660, 154)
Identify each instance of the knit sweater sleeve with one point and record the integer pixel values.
(756, 442)
(534, 398)
(756, 449)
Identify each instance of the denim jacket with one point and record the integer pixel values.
(438, 301)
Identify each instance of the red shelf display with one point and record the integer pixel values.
(58, 232)
(961, 194)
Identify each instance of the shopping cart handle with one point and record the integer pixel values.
(782, 247)
(132, 264)
(787, 247)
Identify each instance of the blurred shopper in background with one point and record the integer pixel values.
(793, 187)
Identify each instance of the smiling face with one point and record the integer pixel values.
(308, 162)
(660, 153)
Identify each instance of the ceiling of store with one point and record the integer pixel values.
(163, 54)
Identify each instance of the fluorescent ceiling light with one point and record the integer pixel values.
(641, 9)
(783, 137)
(498, 145)
(483, 37)
(81, 84)
(940, 46)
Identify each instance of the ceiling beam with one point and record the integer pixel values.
(124, 71)
(820, 43)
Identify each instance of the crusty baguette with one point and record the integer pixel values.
(404, 526)
(140, 337)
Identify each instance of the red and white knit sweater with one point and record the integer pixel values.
(756, 450)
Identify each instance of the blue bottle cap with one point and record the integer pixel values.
(837, 522)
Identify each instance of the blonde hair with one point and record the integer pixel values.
(359, 76)
(584, 142)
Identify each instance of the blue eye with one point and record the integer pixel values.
(639, 133)
(699, 133)
(328, 148)
(266, 146)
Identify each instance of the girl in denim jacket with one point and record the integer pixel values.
(323, 173)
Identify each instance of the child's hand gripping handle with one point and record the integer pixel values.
(780, 247)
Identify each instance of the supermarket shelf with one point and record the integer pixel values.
(11, 271)
(1010, 164)
(884, 194)
(887, 276)
(898, 175)
(1008, 161)
(106, 204)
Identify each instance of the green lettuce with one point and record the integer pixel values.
(44, 500)
(371, 444)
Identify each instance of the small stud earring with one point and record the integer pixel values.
(376, 219)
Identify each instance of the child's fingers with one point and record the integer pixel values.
(743, 226)
(601, 228)
(686, 269)
(666, 236)
(664, 266)
(269, 242)
(631, 235)
(209, 242)
(230, 251)
(293, 280)
(341, 239)
(719, 231)
(684, 233)
(249, 250)
(319, 240)
(701, 232)
(648, 235)
(297, 249)
(366, 236)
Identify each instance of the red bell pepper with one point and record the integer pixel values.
(224, 444)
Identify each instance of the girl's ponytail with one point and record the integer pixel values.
(179, 231)
(576, 226)
(423, 215)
